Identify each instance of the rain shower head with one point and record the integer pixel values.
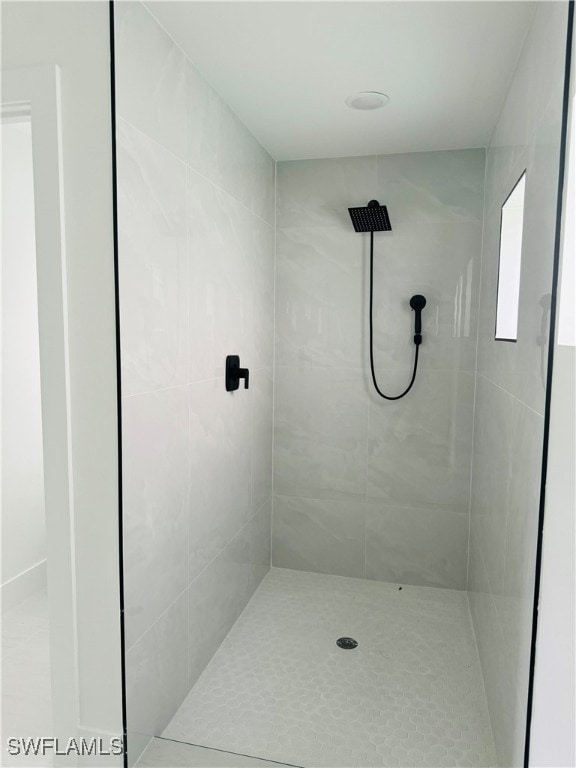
(371, 218)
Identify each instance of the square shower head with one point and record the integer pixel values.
(370, 218)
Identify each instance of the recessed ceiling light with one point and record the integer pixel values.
(367, 100)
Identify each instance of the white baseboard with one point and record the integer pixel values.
(22, 586)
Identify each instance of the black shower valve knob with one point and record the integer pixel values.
(234, 373)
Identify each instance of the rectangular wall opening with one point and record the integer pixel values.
(511, 225)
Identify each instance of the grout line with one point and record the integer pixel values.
(190, 583)
(387, 154)
(365, 364)
(364, 341)
(376, 500)
(188, 384)
(366, 464)
(332, 366)
(512, 79)
(160, 616)
(496, 628)
(165, 389)
(512, 395)
(227, 752)
(505, 564)
(261, 507)
(150, 740)
(483, 682)
(375, 583)
(478, 310)
(274, 366)
(191, 168)
(203, 76)
(189, 446)
(252, 404)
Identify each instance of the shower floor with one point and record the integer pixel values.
(278, 688)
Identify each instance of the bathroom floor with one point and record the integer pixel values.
(279, 688)
(26, 688)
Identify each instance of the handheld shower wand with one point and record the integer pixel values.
(418, 302)
(374, 218)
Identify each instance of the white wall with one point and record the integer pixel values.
(553, 735)
(196, 214)
(365, 487)
(23, 529)
(511, 380)
(76, 37)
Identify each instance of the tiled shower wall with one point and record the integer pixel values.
(196, 226)
(509, 417)
(365, 487)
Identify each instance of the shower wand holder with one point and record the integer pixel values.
(234, 373)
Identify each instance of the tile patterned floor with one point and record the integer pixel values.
(26, 688)
(279, 688)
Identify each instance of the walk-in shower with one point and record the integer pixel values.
(320, 570)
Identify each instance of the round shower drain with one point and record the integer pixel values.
(347, 643)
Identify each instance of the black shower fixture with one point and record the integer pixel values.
(234, 373)
(417, 303)
(374, 218)
(370, 218)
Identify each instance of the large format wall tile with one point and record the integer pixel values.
(155, 464)
(264, 202)
(261, 542)
(319, 297)
(435, 187)
(419, 447)
(221, 263)
(511, 380)
(320, 433)
(441, 262)
(318, 193)
(489, 639)
(157, 675)
(202, 109)
(319, 535)
(216, 599)
(262, 435)
(263, 246)
(496, 359)
(335, 439)
(220, 468)
(521, 541)
(150, 88)
(153, 269)
(196, 221)
(493, 442)
(520, 368)
(236, 157)
(527, 138)
(221, 148)
(416, 546)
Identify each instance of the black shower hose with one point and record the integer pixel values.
(413, 379)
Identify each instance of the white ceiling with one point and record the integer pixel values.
(286, 68)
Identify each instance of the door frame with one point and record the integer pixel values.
(35, 93)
